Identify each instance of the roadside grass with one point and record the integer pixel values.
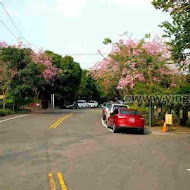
(5, 112)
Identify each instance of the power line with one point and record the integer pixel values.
(8, 29)
(80, 54)
(13, 22)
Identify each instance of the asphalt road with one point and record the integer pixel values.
(87, 155)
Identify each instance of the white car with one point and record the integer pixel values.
(81, 103)
(110, 108)
(92, 104)
(105, 110)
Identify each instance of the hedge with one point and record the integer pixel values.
(4, 112)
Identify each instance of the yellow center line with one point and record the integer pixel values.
(61, 181)
(58, 122)
(62, 120)
(51, 181)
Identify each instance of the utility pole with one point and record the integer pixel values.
(150, 114)
(53, 101)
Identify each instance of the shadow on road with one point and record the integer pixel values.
(134, 131)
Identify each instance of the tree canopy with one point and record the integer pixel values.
(179, 29)
(137, 67)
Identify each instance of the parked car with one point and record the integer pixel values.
(92, 104)
(105, 110)
(120, 101)
(102, 105)
(126, 118)
(35, 105)
(72, 106)
(111, 107)
(81, 104)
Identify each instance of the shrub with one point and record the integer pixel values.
(142, 110)
(25, 111)
(4, 112)
(188, 123)
(158, 122)
(146, 117)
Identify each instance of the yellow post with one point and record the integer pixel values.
(168, 119)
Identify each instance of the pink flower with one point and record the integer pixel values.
(3, 44)
(130, 59)
(124, 71)
(40, 58)
(140, 77)
(133, 64)
(155, 79)
(173, 85)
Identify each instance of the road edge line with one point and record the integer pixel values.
(1, 121)
(105, 125)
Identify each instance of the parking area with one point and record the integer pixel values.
(71, 149)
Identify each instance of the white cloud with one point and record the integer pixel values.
(70, 7)
(128, 3)
(43, 5)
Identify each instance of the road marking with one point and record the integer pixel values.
(58, 122)
(51, 181)
(105, 125)
(64, 118)
(61, 181)
(14, 117)
(188, 170)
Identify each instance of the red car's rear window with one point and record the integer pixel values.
(130, 112)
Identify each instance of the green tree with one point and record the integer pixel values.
(174, 6)
(27, 84)
(179, 29)
(24, 73)
(11, 61)
(65, 85)
(89, 89)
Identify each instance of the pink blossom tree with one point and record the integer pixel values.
(25, 68)
(134, 62)
(49, 70)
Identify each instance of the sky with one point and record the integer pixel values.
(78, 27)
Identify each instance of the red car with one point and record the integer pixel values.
(126, 118)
